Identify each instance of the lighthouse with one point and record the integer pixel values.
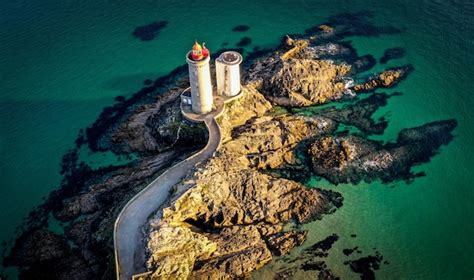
(228, 73)
(200, 79)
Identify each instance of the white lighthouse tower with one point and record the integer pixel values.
(228, 73)
(200, 79)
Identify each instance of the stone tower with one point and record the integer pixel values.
(200, 79)
(228, 73)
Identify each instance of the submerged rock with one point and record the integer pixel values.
(360, 113)
(366, 266)
(309, 263)
(281, 244)
(392, 53)
(47, 255)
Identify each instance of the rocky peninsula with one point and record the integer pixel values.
(241, 208)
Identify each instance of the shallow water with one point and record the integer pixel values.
(62, 61)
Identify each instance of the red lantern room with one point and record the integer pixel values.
(205, 51)
(199, 52)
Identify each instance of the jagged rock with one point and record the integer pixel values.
(305, 82)
(266, 229)
(310, 259)
(335, 153)
(118, 185)
(251, 104)
(158, 126)
(326, 28)
(79, 231)
(360, 113)
(366, 266)
(177, 251)
(295, 48)
(385, 79)
(47, 256)
(168, 128)
(281, 244)
(41, 245)
(352, 158)
(240, 250)
(244, 197)
(268, 142)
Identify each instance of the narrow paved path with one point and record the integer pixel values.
(128, 239)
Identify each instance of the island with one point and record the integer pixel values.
(218, 189)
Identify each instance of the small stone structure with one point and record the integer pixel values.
(228, 73)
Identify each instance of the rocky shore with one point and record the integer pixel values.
(241, 209)
(221, 226)
(351, 159)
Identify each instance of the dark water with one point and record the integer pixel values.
(62, 61)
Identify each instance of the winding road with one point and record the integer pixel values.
(129, 243)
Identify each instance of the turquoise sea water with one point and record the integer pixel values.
(62, 61)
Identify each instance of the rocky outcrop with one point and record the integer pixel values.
(269, 142)
(158, 126)
(353, 159)
(48, 256)
(238, 112)
(305, 82)
(360, 113)
(237, 208)
(294, 48)
(116, 186)
(309, 263)
(281, 244)
(385, 79)
(240, 250)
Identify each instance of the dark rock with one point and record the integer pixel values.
(241, 28)
(281, 244)
(120, 98)
(310, 259)
(393, 53)
(149, 32)
(47, 256)
(147, 82)
(352, 159)
(360, 114)
(245, 41)
(366, 266)
(321, 248)
(364, 63)
(349, 251)
(353, 24)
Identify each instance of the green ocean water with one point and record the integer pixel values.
(61, 62)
